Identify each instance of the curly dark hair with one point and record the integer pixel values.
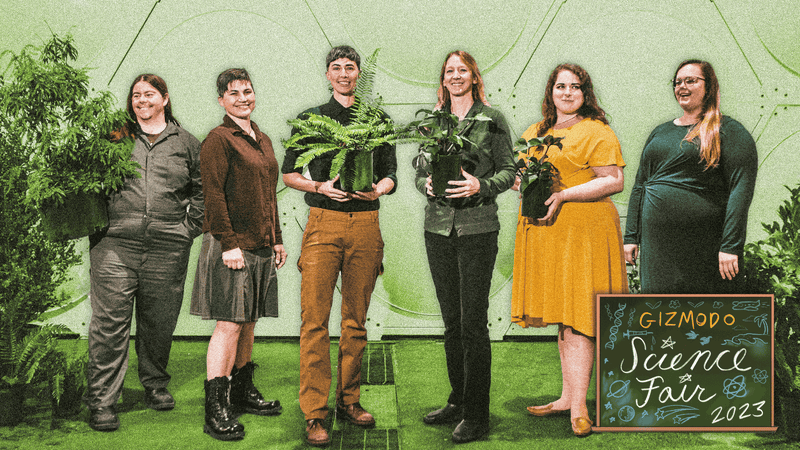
(589, 109)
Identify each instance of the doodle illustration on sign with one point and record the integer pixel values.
(734, 387)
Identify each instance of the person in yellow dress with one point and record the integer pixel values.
(562, 260)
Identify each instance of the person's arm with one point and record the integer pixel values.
(632, 219)
(297, 181)
(195, 212)
(739, 161)
(609, 180)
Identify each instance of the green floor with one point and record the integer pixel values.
(403, 381)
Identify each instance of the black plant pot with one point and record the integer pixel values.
(533, 197)
(356, 173)
(80, 215)
(444, 169)
(12, 399)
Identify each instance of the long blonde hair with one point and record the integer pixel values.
(707, 130)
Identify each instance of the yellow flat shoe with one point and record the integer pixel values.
(546, 410)
(581, 426)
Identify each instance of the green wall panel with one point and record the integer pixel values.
(630, 48)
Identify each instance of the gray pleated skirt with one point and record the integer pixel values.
(241, 295)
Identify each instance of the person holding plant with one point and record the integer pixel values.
(687, 215)
(140, 261)
(236, 281)
(562, 260)
(461, 230)
(342, 235)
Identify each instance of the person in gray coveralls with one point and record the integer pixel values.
(140, 261)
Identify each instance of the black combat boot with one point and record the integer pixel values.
(245, 398)
(220, 424)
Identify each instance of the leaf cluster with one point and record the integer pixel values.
(439, 133)
(24, 354)
(316, 135)
(62, 125)
(772, 265)
(531, 169)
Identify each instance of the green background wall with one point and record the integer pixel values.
(630, 48)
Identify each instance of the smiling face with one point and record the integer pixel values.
(148, 103)
(239, 100)
(343, 74)
(567, 94)
(458, 79)
(690, 96)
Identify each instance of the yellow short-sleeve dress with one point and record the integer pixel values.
(560, 266)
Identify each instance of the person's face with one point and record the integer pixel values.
(567, 93)
(458, 79)
(239, 100)
(343, 74)
(691, 87)
(147, 102)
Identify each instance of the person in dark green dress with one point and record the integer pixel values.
(687, 215)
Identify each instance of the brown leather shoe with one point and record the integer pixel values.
(546, 410)
(316, 434)
(355, 414)
(582, 426)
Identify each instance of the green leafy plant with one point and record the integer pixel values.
(370, 129)
(536, 174)
(772, 265)
(440, 133)
(23, 353)
(63, 126)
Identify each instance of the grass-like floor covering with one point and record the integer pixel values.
(407, 379)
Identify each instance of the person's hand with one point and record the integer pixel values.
(467, 187)
(326, 188)
(553, 202)
(631, 253)
(429, 187)
(368, 196)
(233, 258)
(280, 255)
(516, 185)
(728, 265)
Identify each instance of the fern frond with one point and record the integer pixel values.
(312, 151)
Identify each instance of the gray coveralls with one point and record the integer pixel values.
(141, 262)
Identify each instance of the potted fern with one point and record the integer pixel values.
(772, 265)
(66, 128)
(370, 129)
(536, 174)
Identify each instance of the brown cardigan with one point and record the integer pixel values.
(239, 177)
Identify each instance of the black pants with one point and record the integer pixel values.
(461, 267)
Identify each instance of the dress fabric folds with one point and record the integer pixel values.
(561, 265)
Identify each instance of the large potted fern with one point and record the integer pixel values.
(772, 265)
(65, 127)
(370, 129)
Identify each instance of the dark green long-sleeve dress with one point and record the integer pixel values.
(682, 216)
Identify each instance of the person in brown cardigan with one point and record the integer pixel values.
(242, 248)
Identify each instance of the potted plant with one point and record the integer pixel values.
(32, 267)
(441, 137)
(772, 265)
(536, 174)
(65, 128)
(65, 382)
(370, 129)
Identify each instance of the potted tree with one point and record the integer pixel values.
(65, 128)
(536, 174)
(354, 143)
(772, 265)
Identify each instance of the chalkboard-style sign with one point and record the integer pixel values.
(685, 363)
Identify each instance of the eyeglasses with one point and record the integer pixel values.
(689, 81)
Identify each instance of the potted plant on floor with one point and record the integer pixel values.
(32, 267)
(65, 128)
(370, 129)
(536, 174)
(772, 265)
(65, 382)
